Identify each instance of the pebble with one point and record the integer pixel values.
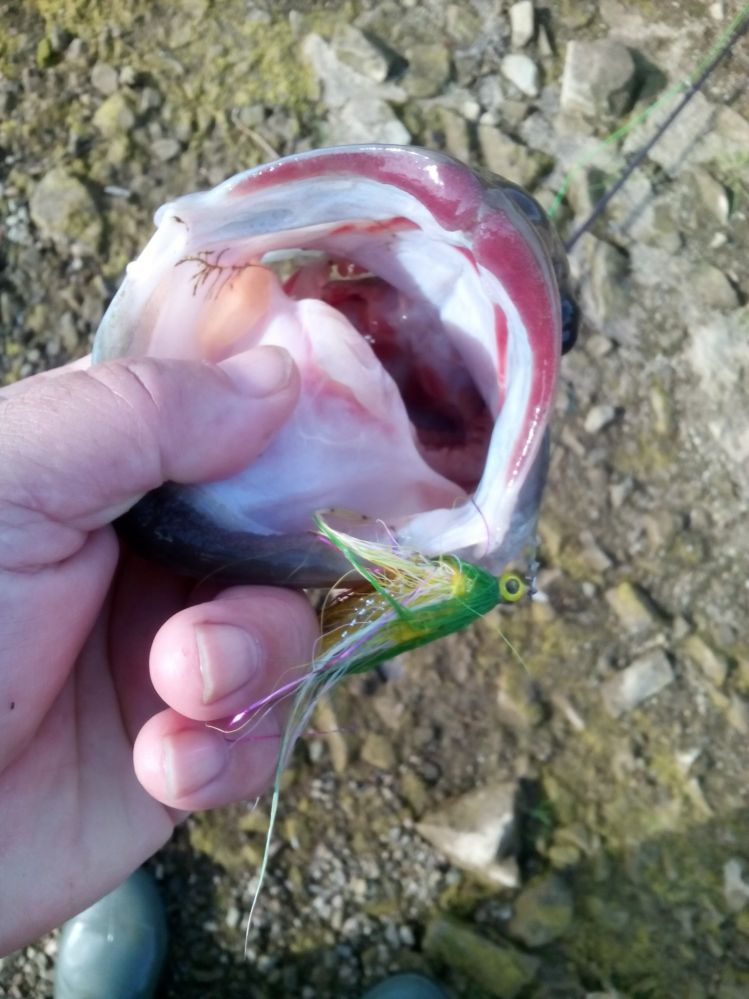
(104, 78)
(542, 912)
(504, 156)
(115, 116)
(714, 667)
(475, 832)
(631, 606)
(63, 210)
(354, 49)
(366, 119)
(598, 417)
(522, 72)
(501, 970)
(378, 751)
(428, 70)
(522, 23)
(735, 887)
(713, 288)
(599, 78)
(165, 149)
(642, 679)
(713, 195)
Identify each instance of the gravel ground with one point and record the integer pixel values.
(613, 744)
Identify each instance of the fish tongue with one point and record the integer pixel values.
(348, 444)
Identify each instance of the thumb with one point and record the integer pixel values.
(79, 449)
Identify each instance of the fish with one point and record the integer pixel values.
(426, 305)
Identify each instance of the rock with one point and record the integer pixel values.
(325, 721)
(165, 149)
(712, 665)
(599, 78)
(598, 417)
(115, 116)
(632, 607)
(643, 678)
(104, 78)
(476, 832)
(738, 714)
(712, 195)
(354, 49)
(63, 210)
(377, 750)
(457, 134)
(45, 54)
(415, 792)
(365, 119)
(428, 70)
(717, 355)
(735, 888)
(341, 84)
(606, 292)
(500, 969)
(542, 912)
(491, 96)
(510, 159)
(522, 72)
(713, 288)
(522, 23)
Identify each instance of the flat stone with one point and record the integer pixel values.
(712, 195)
(522, 23)
(457, 134)
(342, 84)
(631, 607)
(104, 78)
(598, 417)
(522, 72)
(366, 119)
(378, 751)
(714, 667)
(542, 912)
(428, 70)
(476, 831)
(354, 49)
(114, 117)
(508, 158)
(501, 970)
(165, 149)
(713, 288)
(642, 679)
(63, 210)
(599, 78)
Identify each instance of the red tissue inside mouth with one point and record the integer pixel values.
(451, 420)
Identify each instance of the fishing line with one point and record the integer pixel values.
(689, 87)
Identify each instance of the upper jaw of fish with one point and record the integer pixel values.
(422, 305)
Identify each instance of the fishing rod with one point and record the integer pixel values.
(738, 27)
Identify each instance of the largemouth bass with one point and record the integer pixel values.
(426, 306)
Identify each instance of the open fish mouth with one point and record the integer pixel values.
(426, 307)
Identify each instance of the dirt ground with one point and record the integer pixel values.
(618, 729)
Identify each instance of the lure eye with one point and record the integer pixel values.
(570, 323)
(512, 588)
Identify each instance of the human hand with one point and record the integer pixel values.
(110, 666)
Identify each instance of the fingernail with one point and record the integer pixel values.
(228, 657)
(192, 759)
(260, 372)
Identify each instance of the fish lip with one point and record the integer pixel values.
(461, 201)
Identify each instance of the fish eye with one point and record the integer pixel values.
(527, 205)
(570, 323)
(512, 588)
